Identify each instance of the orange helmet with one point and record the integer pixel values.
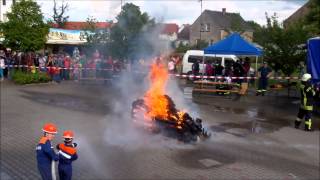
(50, 128)
(67, 134)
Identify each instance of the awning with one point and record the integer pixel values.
(234, 44)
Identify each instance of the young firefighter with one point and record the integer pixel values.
(45, 152)
(306, 104)
(67, 154)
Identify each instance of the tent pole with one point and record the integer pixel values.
(255, 84)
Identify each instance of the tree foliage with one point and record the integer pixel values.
(184, 48)
(94, 35)
(282, 47)
(129, 36)
(25, 29)
(59, 14)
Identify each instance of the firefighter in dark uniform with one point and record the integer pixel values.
(306, 105)
(67, 154)
(45, 152)
(264, 73)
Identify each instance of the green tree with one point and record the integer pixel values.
(129, 36)
(282, 47)
(182, 48)
(25, 29)
(258, 31)
(201, 44)
(95, 36)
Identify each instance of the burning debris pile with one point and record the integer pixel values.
(156, 111)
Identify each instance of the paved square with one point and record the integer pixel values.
(252, 137)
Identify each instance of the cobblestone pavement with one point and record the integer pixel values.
(252, 137)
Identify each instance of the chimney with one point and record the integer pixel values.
(223, 11)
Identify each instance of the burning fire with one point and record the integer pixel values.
(155, 99)
(159, 114)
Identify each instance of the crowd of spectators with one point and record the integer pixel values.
(239, 68)
(60, 66)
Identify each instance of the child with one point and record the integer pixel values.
(45, 153)
(56, 73)
(67, 154)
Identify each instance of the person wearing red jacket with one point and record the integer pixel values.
(67, 65)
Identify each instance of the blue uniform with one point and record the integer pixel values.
(263, 80)
(67, 154)
(45, 155)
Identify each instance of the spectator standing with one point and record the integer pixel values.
(252, 75)
(76, 69)
(83, 66)
(238, 71)
(195, 68)
(209, 69)
(42, 63)
(2, 65)
(264, 73)
(11, 63)
(171, 66)
(49, 65)
(67, 66)
(246, 66)
(218, 69)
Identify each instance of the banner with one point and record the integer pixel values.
(63, 36)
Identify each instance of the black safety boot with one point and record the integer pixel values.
(307, 129)
(297, 124)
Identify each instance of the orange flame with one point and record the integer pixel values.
(154, 98)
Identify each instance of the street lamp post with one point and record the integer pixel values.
(200, 18)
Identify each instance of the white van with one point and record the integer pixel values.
(192, 56)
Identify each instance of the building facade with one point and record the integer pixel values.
(298, 15)
(5, 7)
(212, 26)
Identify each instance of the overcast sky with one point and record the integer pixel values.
(176, 11)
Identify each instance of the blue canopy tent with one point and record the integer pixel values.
(313, 63)
(234, 44)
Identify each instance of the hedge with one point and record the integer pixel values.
(20, 77)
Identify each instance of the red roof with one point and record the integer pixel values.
(82, 25)
(169, 28)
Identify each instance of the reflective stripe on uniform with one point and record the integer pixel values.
(65, 154)
(298, 119)
(308, 108)
(310, 88)
(308, 123)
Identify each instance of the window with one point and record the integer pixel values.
(4, 17)
(192, 59)
(205, 27)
